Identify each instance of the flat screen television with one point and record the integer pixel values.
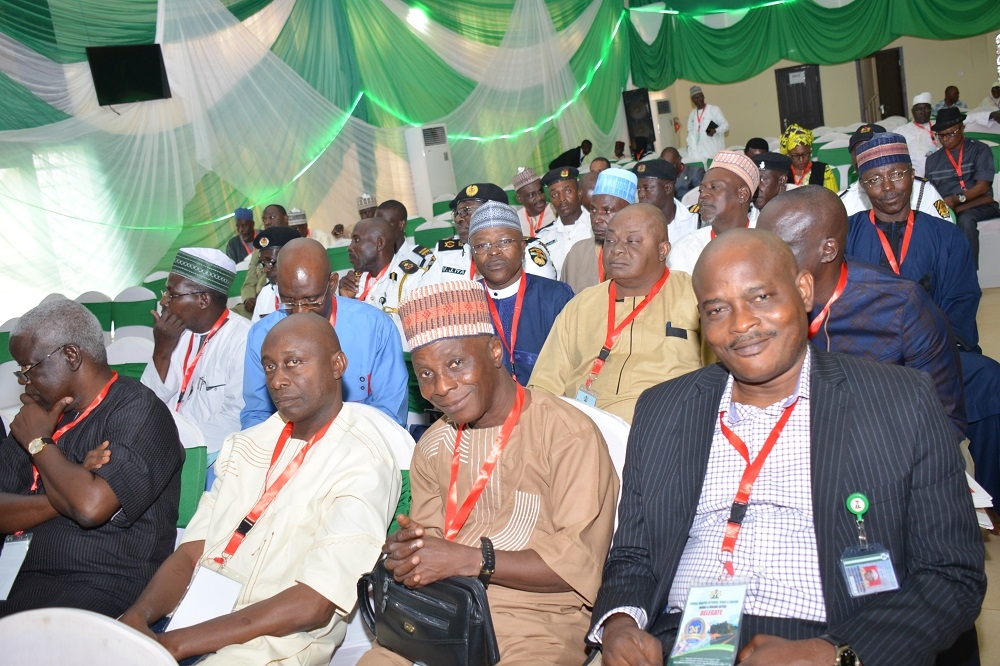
(132, 73)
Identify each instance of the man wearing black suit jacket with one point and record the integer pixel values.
(572, 157)
(869, 428)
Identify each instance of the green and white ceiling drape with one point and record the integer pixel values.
(304, 102)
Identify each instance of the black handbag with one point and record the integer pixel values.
(446, 623)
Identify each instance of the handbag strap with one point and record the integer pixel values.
(366, 600)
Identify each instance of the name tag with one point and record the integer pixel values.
(15, 549)
(587, 396)
(210, 594)
(449, 269)
(868, 570)
(710, 625)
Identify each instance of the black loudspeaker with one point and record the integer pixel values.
(639, 117)
(123, 74)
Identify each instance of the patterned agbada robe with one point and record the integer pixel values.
(554, 491)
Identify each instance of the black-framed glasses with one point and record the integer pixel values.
(893, 176)
(503, 245)
(22, 374)
(314, 303)
(169, 295)
(269, 264)
(945, 135)
(466, 211)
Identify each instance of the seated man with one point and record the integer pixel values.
(96, 536)
(274, 216)
(367, 206)
(198, 348)
(332, 486)
(918, 133)
(572, 223)
(755, 147)
(536, 212)
(618, 338)
(584, 265)
(298, 221)
(453, 256)
(841, 428)
(240, 246)
(268, 243)
(522, 309)
(860, 309)
(689, 176)
(657, 180)
(546, 512)
(774, 170)
(376, 373)
(725, 201)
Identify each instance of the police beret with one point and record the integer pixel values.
(773, 162)
(661, 169)
(862, 134)
(275, 237)
(562, 173)
(479, 192)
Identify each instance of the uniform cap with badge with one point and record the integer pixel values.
(661, 169)
(275, 237)
(479, 192)
(560, 174)
(773, 162)
(862, 134)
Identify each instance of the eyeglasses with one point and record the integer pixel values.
(269, 264)
(314, 303)
(503, 245)
(169, 295)
(894, 176)
(22, 374)
(945, 135)
(465, 211)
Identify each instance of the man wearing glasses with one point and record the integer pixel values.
(198, 347)
(86, 537)
(376, 374)
(268, 243)
(962, 170)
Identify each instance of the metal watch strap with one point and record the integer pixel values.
(489, 561)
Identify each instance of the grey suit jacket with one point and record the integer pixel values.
(876, 429)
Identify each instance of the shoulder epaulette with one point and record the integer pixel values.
(694, 208)
(448, 244)
(421, 250)
(408, 267)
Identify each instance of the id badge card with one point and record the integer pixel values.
(586, 396)
(710, 625)
(212, 593)
(868, 570)
(15, 549)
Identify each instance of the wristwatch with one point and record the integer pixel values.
(489, 564)
(845, 655)
(961, 198)
(36, 445)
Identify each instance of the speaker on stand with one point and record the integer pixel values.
(639, 117)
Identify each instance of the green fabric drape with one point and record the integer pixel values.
(486, 20)
(603, 96)
(21, 109)
(802, 31)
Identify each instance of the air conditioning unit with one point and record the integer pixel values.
(431, 166)
(666, 133)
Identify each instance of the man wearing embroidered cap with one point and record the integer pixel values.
(542, 519)
(522, 308)
(297, 220)
(573, 222)
(453, 256)
(919, 136)
(963, 170)
(724, 203)
(240, 246)
(285, 562)
(706, 128)
(774, 170)
(656, 185)
(367, 206)
(268, 243)
(638, 328)
(536, 211)
(198, 349)
(584, 264)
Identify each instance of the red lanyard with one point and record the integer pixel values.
(957, 165)
(189, 370)
(75, 422)
(928, 130)
(615, 331)
(246, 247)
(370, 282)
(799, 181)
(277, 301)
(750, 474)
(700, 114)
(713, 234)
(513, 326)
(472, 269)
(893, 264)
(600, 264)
(534, 228)
(817, 323)
(333, 312)
(271, 491)
(454, 517)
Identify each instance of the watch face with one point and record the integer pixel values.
(847, 658)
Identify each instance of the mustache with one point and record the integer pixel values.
(751, 338)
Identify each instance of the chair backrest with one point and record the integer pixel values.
(193, 475)
(10, 389)
(65, 636)
(156, 281)
(100, 305)
(130, 355)
(5, 330)
(132, 308)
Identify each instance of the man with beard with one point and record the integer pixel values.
(584, 265)
(573, 223)
(240, 246)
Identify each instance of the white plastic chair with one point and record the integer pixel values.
(837, 143)
(5, 330)
(73, 637)
(10, 389)
(128, 318)
(892, 122)
(100, 305)
(130, 349)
